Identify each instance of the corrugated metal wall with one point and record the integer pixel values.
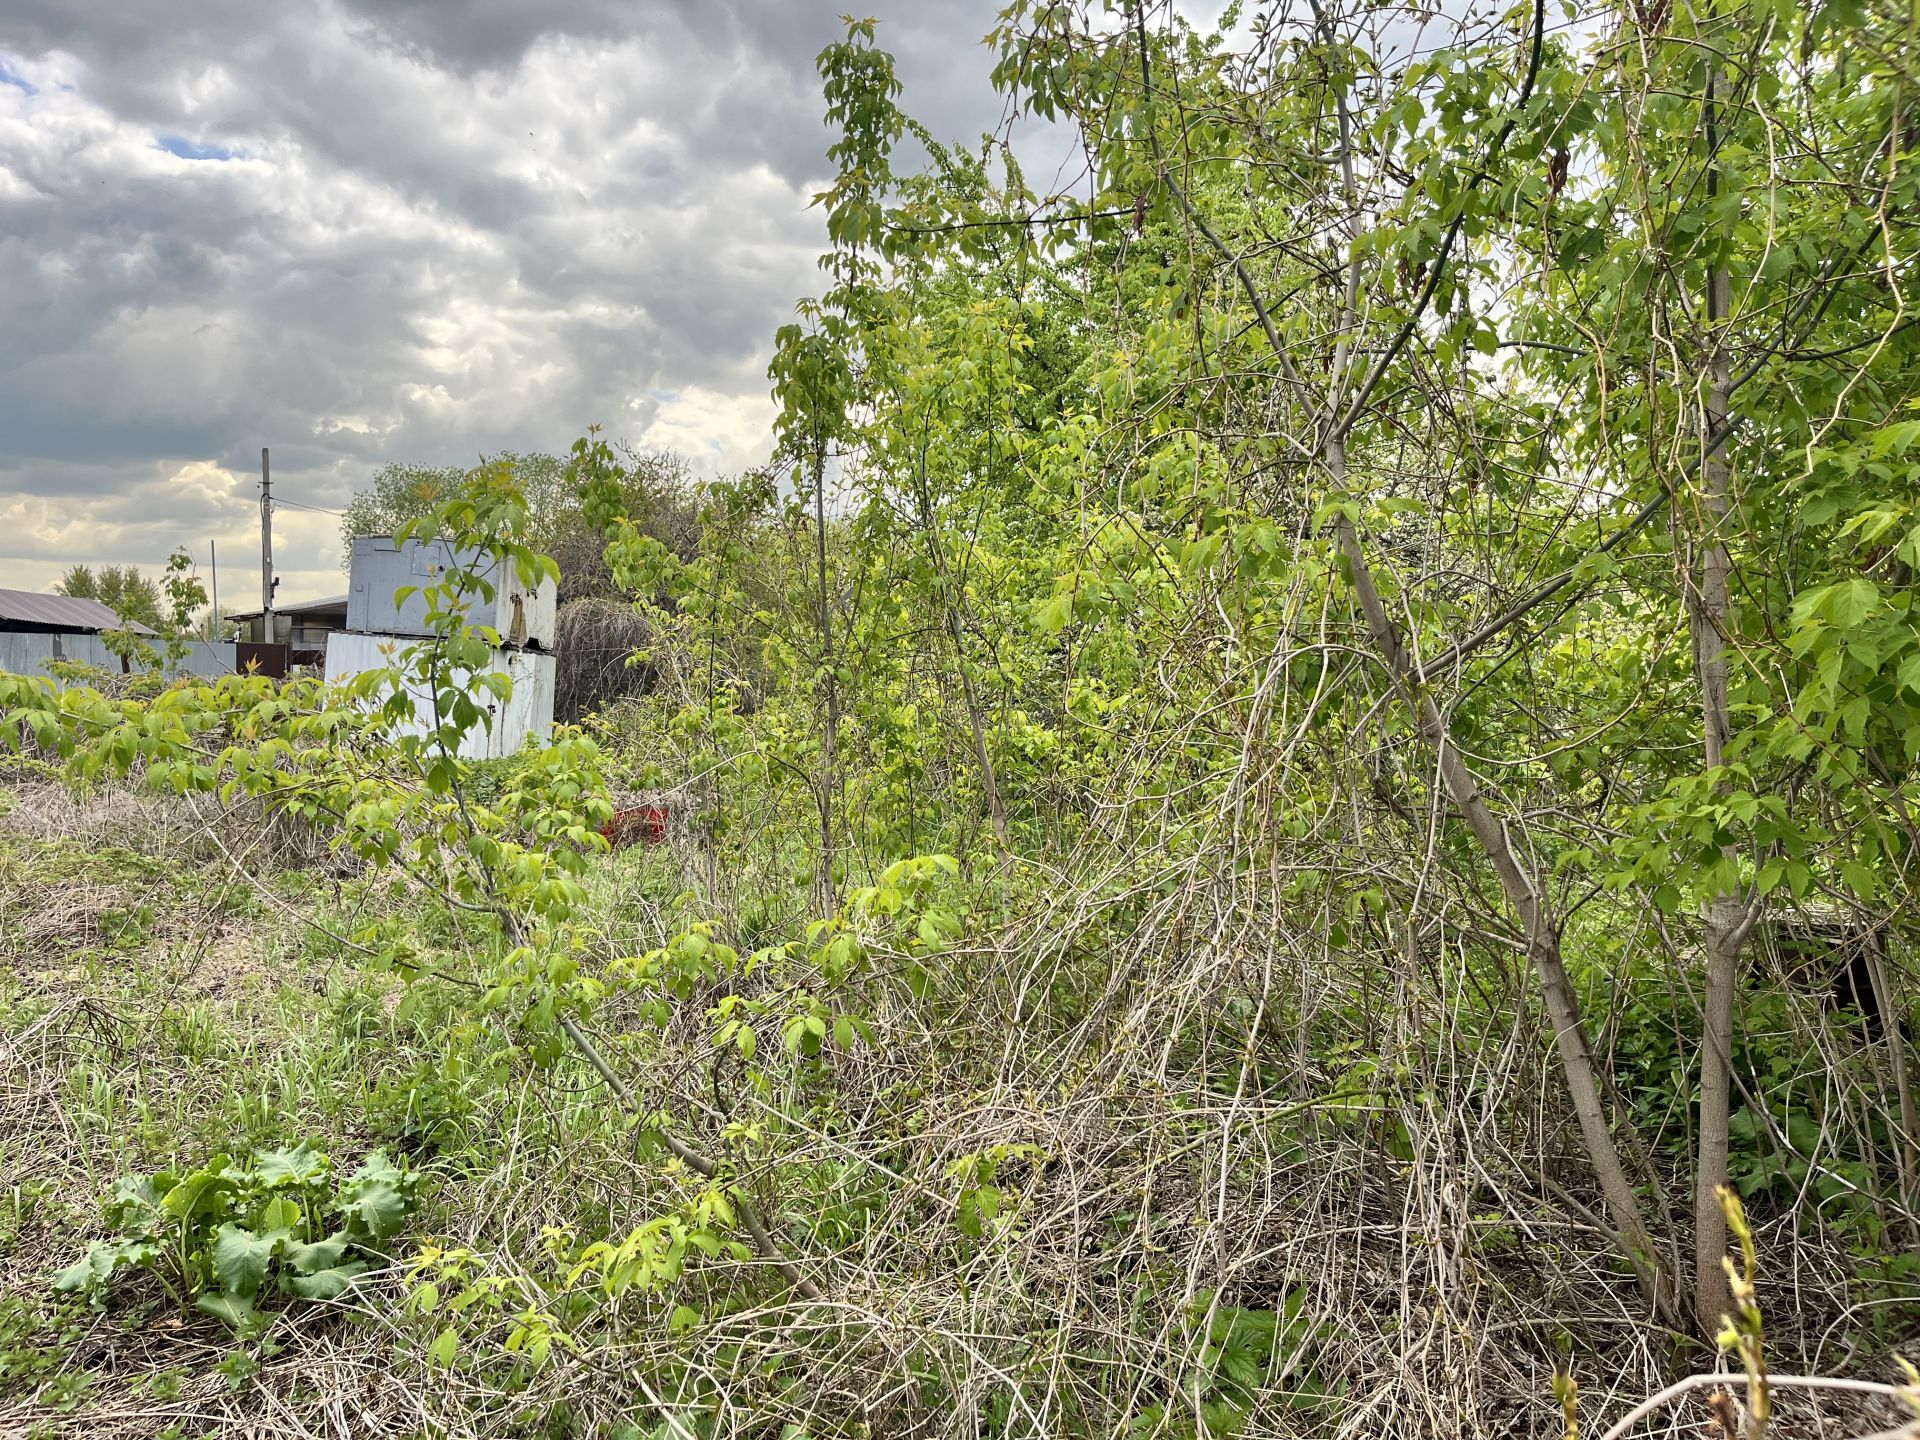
(29, 654)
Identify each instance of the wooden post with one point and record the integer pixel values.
(266, 550)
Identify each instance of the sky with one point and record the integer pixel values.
(360, 231)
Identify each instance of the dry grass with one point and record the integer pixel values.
(594, 641)
(1196, 1152)
(145, 1005)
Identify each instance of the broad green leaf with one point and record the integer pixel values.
(376, 1199)
(279, 1217)
(201, 1193)
(240, 1259)
(87, 1274)
(90, 1273)
(324, 1284)
(320, 1255)
(302, 1165)
(236, 1311)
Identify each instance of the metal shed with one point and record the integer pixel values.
(526, 714)
(522, 614)
(300, 625)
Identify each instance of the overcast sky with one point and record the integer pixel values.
(422, 230)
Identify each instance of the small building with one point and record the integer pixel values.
(28, 612)
(524, 713)
(386, 615)
(38, 632)
(302, 626)
(388, 580)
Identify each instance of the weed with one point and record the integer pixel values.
(68, 1391)
(237, 1368)
(215, 1236)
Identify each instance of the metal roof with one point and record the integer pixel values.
(67, 612)
(297, 607)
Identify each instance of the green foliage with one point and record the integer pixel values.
(1207, 647)
(402, 494)
(1240, 1357)
(121, 588)
(227, 1235)
(653, 488)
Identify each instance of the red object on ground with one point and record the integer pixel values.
(645, 823)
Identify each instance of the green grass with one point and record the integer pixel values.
(159, 1014)
(162, 1013)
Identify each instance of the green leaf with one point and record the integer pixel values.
(302, 1165)
(90, 1273)
(1842, 605)
(87, 1274)
(280, 1217)
(376, 1199)
(201, 1193)
(235, 1311)
(320, 1255)
(135, 1196)
(324, 1284)
(240, 1260)
(1860, 878)
(1909, 674)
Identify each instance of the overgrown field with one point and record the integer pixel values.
(1061, 1170)
(1290, 811)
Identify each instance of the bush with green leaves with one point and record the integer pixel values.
(227, 1235)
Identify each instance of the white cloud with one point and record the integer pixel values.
(448, 229)
(721, 432)
(164, 508)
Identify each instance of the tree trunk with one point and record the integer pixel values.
(1543, 942)
(830, 730)
(1728, 918)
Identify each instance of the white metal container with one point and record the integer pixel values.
(379, 568)
(525, 715)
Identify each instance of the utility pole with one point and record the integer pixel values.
(213, 615)
(266, 550)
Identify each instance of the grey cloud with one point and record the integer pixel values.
(452, 229)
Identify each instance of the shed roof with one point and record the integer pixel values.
(294, 607)
(64, 612)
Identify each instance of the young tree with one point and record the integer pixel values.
(656, 486)
(121, 588)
